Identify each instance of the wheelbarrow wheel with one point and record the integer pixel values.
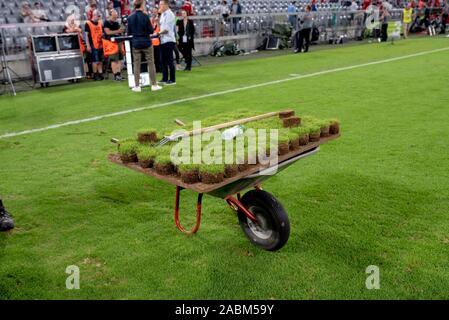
(272, 230)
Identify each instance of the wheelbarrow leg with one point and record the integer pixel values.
(198, 212)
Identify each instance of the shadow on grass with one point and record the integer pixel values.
(357, 221)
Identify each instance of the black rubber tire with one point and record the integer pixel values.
(275, 229)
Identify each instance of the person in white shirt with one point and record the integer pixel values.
(168, 43)
(353, 11)
(222, 10)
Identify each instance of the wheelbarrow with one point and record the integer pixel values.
(262, 217)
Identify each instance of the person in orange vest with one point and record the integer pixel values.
(156, 41)
(113, 50)
(94, 44)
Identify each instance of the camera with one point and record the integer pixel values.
(125, 20)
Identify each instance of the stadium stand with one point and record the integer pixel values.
(58, 10)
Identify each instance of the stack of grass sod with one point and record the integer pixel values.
(293, 133)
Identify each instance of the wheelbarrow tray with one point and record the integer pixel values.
(229, 185)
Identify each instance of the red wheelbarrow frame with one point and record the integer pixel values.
(234, 203)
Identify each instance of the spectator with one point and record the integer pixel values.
(90, 8)
(39, 12)
(6, 222)
(384, 17)
(304, 33)
(444, 18)
(109, 8)
(124, 7)
(366, 4)
(168, 42)
(112, 49)
(353, 8)
(72, 26)
(26, 14)
(176, 49)
(186, 33)
(155, 16)
(235, 9)
(407, 18)
(188, 7)
(377, 21)
(117, 6)
(292, 17)
(94, 45)
(223, 11)
(139, 26)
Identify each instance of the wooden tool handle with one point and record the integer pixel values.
(180, 123)
(233, 123)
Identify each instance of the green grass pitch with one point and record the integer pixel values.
(376, 196)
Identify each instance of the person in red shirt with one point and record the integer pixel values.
(366, 4)
(90, 8)
(188, 7)
(124, 7)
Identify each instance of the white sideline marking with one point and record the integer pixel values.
(218, 93)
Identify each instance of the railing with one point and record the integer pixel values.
(330, 22)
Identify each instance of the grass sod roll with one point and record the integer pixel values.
(127, 150)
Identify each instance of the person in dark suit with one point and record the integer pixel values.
(186, 34)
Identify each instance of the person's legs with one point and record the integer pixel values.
(170, 62)
(137, 57)
(296, 41)
(149, 57)
(6, 222)
(164, 61)
(222, 28)
(234, 25)
(86, 65)
(384, 32)
(100, 61)
(97, 65)
(157, 58)
(177, 55)
(376, 33)
(406, 26)
(307, 39)
(115, 67)
(94, 62)
(186, 51)
(443, 23)
(300, 40)
(188, 57)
